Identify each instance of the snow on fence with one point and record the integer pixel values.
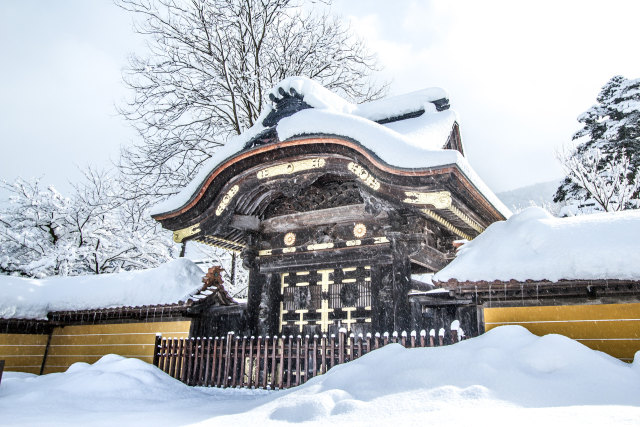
(272, 362)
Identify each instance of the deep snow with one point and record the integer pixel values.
(33, 298)
(505, 377)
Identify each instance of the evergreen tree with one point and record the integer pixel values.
(610, 134)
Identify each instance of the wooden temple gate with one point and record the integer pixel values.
(274, 362)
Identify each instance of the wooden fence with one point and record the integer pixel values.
(271, 362)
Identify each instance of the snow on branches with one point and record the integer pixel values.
(208, 70)
(602, 169)
(607, 180)
(43, 233)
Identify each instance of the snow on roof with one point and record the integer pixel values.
(320, 97)
(412, 143)
(534, 245)
(170, 283)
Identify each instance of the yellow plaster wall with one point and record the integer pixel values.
(611, 328)
(22, 352)
(87, 343)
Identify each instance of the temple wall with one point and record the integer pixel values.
(23, 352)
(611, 328)
(88, 343)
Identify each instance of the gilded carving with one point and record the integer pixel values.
(471, 223)
(359, 230)
(319, 246)
(447, 224)
(264, 252)
(183, 233)
(438, 199)
(289, 239)
(291, 167)
(227, 199)
(364, 175)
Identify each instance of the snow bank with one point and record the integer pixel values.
(414, 143)
(506, 377)
(505, 368)
(34, 298)
(111, 377)
(534, 245)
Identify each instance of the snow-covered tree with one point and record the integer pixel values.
(207, 72)
(602, 168)
(609, 181)
(43, 233)
(34, 231)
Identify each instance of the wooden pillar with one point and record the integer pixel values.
(416, 315)
(270, 305)
(401, 281)
(256, 284)
(381, 298)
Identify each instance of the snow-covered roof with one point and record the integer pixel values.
(534, 245)
(173, 282)
(415, 142)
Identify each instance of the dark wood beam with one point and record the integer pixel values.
(303, 220)
(245, 222)
(430, 258)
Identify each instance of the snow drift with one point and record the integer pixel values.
(507, 374)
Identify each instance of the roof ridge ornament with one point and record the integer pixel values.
(286, 105)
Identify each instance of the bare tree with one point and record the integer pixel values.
(209, 66)
(610, 182)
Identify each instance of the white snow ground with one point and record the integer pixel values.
(505, 377)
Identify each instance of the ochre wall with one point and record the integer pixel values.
(22, 352)
(87, 343)
(611, 328)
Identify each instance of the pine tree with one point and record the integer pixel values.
(610, 134)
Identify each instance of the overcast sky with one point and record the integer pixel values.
(518, 74)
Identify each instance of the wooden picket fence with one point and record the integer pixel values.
(271, 362)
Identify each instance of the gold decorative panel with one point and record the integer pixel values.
(439, 199)
(364, 175)
(227, 199)
(291, 167)
(183, 233)
(322, 298)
